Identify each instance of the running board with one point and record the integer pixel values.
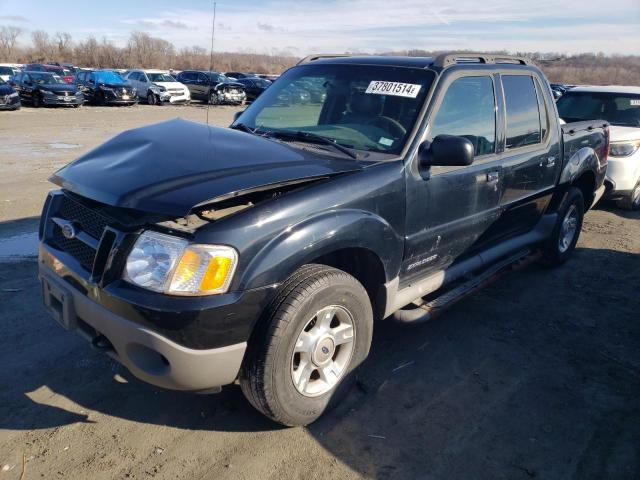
(426, 310)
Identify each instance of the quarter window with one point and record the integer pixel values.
(468, 110)
(523, 114)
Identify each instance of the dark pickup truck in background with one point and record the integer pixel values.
(265, 252)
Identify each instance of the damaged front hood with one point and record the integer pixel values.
(173, 166)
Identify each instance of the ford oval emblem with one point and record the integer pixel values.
(68, 231)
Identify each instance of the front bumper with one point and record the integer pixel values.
(623, 174)
(168, 98)
(62, 100)
(9, 103)
(147, 354)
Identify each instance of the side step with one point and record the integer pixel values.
(422, 310)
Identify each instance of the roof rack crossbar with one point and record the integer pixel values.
(318, 56)
(448, 59)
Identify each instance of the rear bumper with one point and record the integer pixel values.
(147, 354)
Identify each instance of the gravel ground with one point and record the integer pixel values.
(537, 376)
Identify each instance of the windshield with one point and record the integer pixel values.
(46, 78)
(366, 107)
(109, 77)
(218, 77)
(160, 77)
(621, 109)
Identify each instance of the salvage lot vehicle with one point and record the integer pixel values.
(106, 87)
(157, 87)
(620, 106)
(254, 87)
(7, 71)
(9, 98)
(44, 88)
(414, 177)
(62, 72)
(212, 87)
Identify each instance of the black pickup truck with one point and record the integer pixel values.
(265, 252)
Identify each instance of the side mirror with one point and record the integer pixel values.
(446, 150)
(91, 82)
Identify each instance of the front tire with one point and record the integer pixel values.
(213, 99)
(151, 98)
(631, 201)
(37, 100)
(302, 355)
(562, 242)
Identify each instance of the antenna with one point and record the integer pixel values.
(213, 31)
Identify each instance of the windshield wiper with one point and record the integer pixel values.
(243, 127)
(313, 138)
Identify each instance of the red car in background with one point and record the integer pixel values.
(66, 75)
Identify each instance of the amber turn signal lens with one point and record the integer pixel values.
(204, 270)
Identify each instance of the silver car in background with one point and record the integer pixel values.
(158, 87)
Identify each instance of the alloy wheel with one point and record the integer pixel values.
(323, 351)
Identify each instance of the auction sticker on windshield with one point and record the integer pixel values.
(398, 89)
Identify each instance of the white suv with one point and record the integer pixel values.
(620, 106)
(158, 87)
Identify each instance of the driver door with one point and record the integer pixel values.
(450, 208)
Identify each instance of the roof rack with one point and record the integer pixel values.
(318, 56)
(448, 59)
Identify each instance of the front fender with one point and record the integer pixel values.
(320, 235)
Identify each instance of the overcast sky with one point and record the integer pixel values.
(302, 27)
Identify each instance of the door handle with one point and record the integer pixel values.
(492, 177)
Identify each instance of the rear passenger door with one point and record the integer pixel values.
(450, 208)
(531, 158)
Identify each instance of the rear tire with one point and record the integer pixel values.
(302, 355)
(631, 201)
(560, 245)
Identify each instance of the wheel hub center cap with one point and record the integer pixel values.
(323, 351)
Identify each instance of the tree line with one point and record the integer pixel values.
(145, 51)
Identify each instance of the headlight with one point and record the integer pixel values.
(46, 92)
(168, 264)
(160, 88)
(107, 89)
(624, 149)
(13, 95)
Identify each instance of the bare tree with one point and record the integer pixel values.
(42, 46)
(8, 39)
(63, 41)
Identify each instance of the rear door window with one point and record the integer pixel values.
(468, 110)
(523, 113)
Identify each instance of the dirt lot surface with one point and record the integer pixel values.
(537, 376)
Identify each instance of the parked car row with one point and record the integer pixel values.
(65, 84)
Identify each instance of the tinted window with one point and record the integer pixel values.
(468, 110)
(189, 76)
(134, 76)
(523, 115)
